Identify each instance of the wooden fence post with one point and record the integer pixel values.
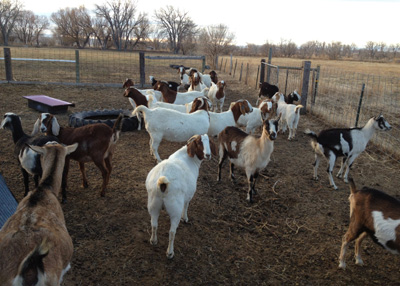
(262, 71)
(304, 85)
(78, 76)
(8, 65)
(203, 64)
(360, 103)
(247, 73)
(258, 73)
(241, 70)
(234, 71)
(142, 70)
(230, 70)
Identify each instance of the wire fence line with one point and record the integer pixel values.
(334, 97)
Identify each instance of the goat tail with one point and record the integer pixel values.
(297, 108)
(31, 269)
(312, 134)
(118, 123)
(162, 184)
(138, 109)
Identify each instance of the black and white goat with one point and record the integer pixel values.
(171, 84)
(292, 97)
(28, 159)
(372, 213)
(343, 142)
(250, 152)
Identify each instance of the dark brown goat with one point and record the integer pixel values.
(96, 143)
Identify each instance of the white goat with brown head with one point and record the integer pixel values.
(35, 247)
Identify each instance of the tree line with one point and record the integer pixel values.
(117, 24)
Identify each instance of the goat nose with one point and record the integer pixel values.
(208, 156)
(272, 136)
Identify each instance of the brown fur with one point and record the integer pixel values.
(168, 94)
(194, 81)
(38, 228)
(241, 107)
(128, 83)
(214, 77)
(199, 104)
(137, 96)
(96, 144)
(221, 90)
(232, 134)
(195, 147)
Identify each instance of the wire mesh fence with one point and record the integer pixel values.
(335, 98)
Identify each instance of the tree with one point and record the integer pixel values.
(334, 50)
(216, 40)
(9, 13)
(125, 29)
(29, 27)
(175, 26)
(102, 32)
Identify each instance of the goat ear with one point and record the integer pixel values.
(55, 127)
(132, 102)
(72, 148)
(191, 149)
(37, 149)
(36, 127)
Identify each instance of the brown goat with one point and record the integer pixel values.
(35, 246)
(128, 83)
(96, 143)
(372, 213)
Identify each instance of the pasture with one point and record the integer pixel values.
(291, 235)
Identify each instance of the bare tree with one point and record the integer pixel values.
(29, 27)
(216, 40)
(10, 11)
(73, 25)
(175, 26)
(102, 32)
(334, 50)
(125, 28)
(371, 48)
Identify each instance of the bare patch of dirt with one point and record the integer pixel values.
(291, 235)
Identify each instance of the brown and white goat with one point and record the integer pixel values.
(35, 246)
(372, 213)
(252, 153)
(217, 95)
(96, 144)
(171, 96)
(128, 83)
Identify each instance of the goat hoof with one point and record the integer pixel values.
(153, 242)
(85, 185)
(170, 255)
(342, 265)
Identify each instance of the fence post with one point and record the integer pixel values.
(8, 65)
(225, 64)
(360, 103)
(203, 64)
(241, 70)
(77, 70)
(234, 71)
(141, 68)
(262, 71)
(304, 85)
(269, 67)
(316, 85)
(247, 73)
(258, 73)
(287, 79)
(230, 70)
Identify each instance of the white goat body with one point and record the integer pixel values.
(172, 125)
(217, 95)
(172, 183)
(290, 115)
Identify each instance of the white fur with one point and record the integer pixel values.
(290, 115)
(172, 125)
(251, 121)
(385, 229)
(215, 101)
(179, 172)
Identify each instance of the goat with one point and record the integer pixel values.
(138, 99)
(247, 151)
(178, 107)
(35, 246)
(173, 125)
(204, 78)
(253, 120)
(213, 76)
(174, 97)
(290, 115)
(172, 183)
(343, 142)
(217, 95)
(96, 144)
(218, 121)
(266, 90)
(195, 82)
(184, 77)
(171, 84)
(28, 159)
(128, 83)
(372, 213)
(292, 97)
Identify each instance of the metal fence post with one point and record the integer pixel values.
(142, 69)
(230, 70)
(258, 73)
(360, 103)
(8, 65)
(316, 85)
(304, 85)
(241, 70)
(203, 65)
(77, 70)
(269, 67)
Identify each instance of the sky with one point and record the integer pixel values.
(258, 21)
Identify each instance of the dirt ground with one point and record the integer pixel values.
(290, 235)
